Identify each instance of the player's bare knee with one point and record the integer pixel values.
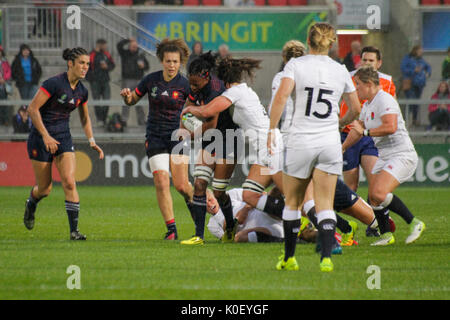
(200, 186)
(377, 196)
(69, 184)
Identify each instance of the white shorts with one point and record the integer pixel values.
(401, 166)
(277, 158)
(300, 163)
(259, 219)
(259, 154)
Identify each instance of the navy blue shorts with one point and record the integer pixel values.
(227, 148)
(163, 144)
(36, 146)
(344, 197)
(352, 156)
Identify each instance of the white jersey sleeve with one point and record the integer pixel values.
(286, 116)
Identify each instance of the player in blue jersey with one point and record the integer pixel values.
(216, 162)
(50, 139)
(167, 91)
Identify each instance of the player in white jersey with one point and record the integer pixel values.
(254, 225)
(250, 115)
(313, 148)
(291, 49)
(382, 120)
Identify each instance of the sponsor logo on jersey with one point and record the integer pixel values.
(78, 103)
(175, 94)
(63, 98)
(153, 94)
(165, 93)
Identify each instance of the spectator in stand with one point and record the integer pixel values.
(5, 88)
(197, 50)
(353, 59)
(21, 121)
(446, 66)
(26, 72)
(245, 3)
(98, 76)
(439, 114)
(134, 65)
(222, 52)
(415, 71)
(334, 54)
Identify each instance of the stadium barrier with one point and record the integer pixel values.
(126, 164)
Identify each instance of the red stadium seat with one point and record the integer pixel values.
(277, 2)
(191, 2)
(123, 2)
(430, 2)
(447, 2)
(260, 2)
(212, 2)
(298, 2)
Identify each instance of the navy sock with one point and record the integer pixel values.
(190, 206)
(312, 217)
(199, 214)
(401, 209)
(274, 206)
(171, 225)
(227, 210)
(343, 224)
(72, 208)
(291, 229)
(382, 216)
(32, 201)
(327, 229)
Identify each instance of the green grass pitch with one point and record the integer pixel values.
(126, 258)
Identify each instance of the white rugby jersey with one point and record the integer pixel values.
(319, 83)
(247, 111)
(256, 218)
(249, 114)
(286, 117)
(383, 103)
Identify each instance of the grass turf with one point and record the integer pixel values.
(125, 258)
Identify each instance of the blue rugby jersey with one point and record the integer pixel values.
(166, 101)
(213, 89)
(62, 101)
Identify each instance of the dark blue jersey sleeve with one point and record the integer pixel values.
(142, 87)
(50, 86)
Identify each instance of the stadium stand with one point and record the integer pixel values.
(212, 2)
(430, 2)
(191, 2)
(277, 2)
(298, 2)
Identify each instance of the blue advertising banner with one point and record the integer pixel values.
(436, 30)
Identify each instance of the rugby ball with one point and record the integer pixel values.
(190, 122)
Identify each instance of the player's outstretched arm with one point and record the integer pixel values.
(278, 105)
(87, 127)
(354, 108)
(216, 106)
(129, 97)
